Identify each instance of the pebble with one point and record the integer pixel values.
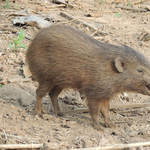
(132, 133)
(88, 143)
(48, 117)
(12, 56)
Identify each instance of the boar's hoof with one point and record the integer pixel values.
(38, 113)
(60, 114)
(110, 124)
(98, 127)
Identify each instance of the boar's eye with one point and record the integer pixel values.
(140, 70)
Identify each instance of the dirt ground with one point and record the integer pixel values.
(18, 125)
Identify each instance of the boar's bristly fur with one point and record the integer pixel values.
(63, 57)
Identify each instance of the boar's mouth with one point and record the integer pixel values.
(148, 87)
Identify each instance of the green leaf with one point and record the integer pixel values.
(11, 45)
(20, 36)
(22, 45)
(1, 85)
(118, 15)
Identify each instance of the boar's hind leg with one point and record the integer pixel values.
(40, 92)
(54, 98)
(94, 108)
(104, 109)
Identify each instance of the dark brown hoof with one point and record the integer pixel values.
(38, 113)
(60, 114)
(99, 128)
(110, 125)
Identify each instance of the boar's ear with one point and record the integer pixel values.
(119, 64)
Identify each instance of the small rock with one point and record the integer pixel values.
(48, 117)
(21, 57)
(139, 148)
(71, 123)
(58, 120)
(10, 62)
(12, 56)
(23, 102)
(107, 39)
(32, 20)
(88, 143)
(49, 146)
(36, 117)
(87, 29)
(64, 144)
(132, 133)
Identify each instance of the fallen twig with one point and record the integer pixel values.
(55, 6)
(20, 146)
(117, 146)
(138, 2)
(64, 14)
(15, 31)
(67, 4)
(14, 136)
(66, 22)
(17, 14)
(15, 80)
(130, 8)
(85, 110)
(5, 134)
(78, 140)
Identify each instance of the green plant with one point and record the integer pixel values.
(100, 1)
(17, 6)
(118, 14)
(129, 3)
(1, 85)
(7, 4)
(17, 42)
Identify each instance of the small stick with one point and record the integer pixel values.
(95, 32)
(142, 98)
(70, 5)
(15, 80)
(78, 140)
(20, 80)
(67, 4)
(68, 21)
(20, 146)
(55, 6)
(17, 14)
(126, 111)
(64, 14)
(7, 10)
(119, 122)
(117, 146)
(130, 8)
(14, 136)
(138, 2)
(5, 24)
(15, 31)
(121, 99)
(85, 110)
(5, 134)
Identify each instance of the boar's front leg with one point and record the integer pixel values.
(94, 108)
(40, 92)
(104, 109)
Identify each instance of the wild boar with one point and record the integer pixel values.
(62, 57)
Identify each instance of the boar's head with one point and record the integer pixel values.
(134, 71)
